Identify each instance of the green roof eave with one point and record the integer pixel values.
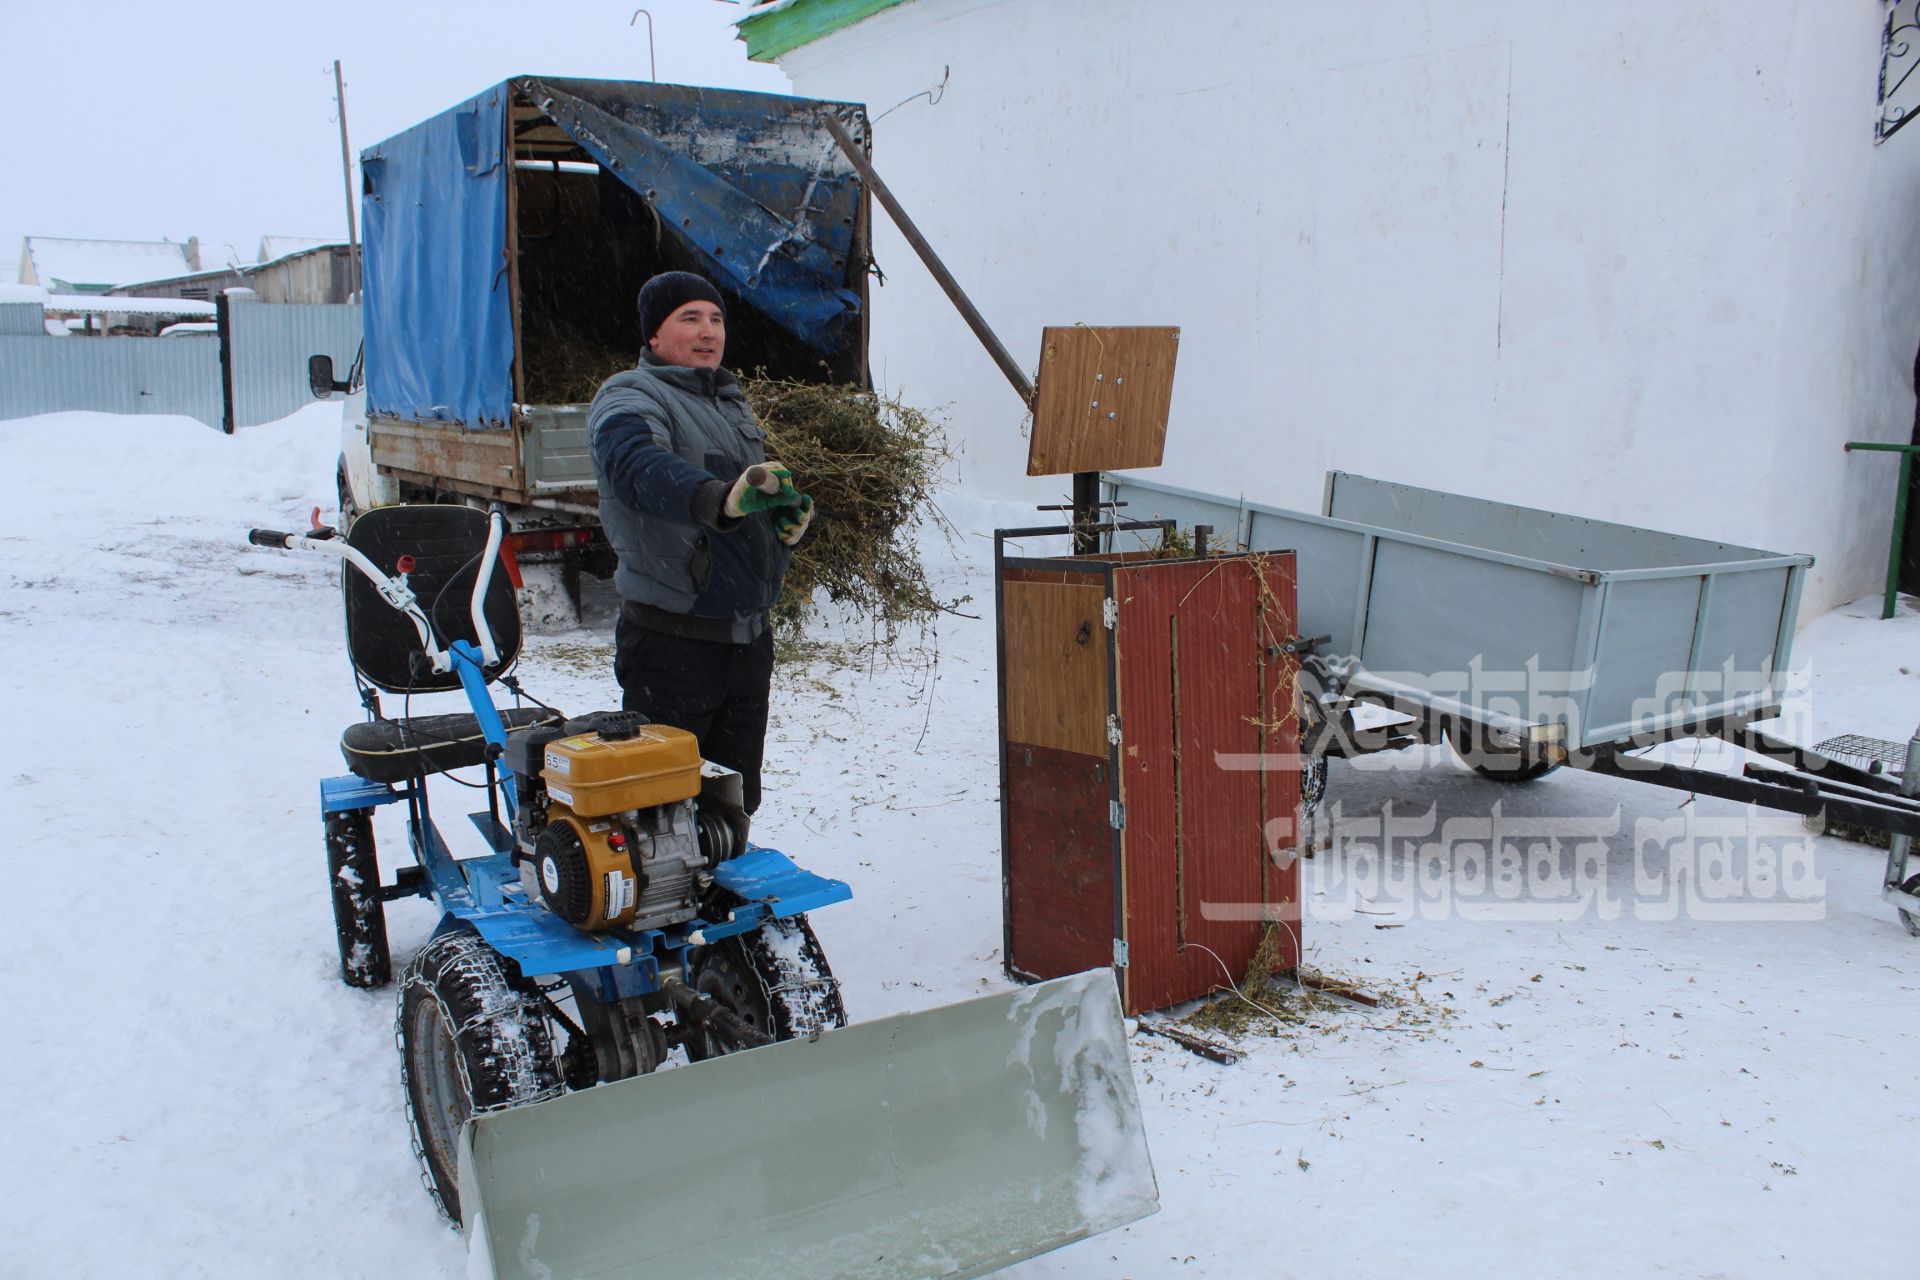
(776, 30)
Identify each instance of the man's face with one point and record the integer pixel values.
(694, 336)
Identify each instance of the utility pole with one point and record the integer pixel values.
(346, 172)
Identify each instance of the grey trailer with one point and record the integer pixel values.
(1522, 623)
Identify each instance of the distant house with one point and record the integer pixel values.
(289, 269)
(69, 266)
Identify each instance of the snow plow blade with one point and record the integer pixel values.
(946, 1143)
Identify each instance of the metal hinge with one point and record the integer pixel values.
(1113, 730)
(1119, 953)
(1116, 815)
(1110, 612)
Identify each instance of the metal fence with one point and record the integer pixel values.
(266, 346)
(111, 375)
(253, 371)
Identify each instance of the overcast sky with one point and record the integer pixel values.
(215, 118)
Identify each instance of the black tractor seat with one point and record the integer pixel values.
(395, 750)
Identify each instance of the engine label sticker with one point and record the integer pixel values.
(564, 797)
(619, 893)
(559, 763)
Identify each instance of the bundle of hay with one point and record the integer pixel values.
(872, 465)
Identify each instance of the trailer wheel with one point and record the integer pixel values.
(359, 915)
(775, 978)
(473, 1037)
(1496, 754)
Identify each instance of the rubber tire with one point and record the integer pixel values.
(473, 1037)
(1492, 762)
(1911, 919)
(785, 999)
(348, 510)
(359, 914)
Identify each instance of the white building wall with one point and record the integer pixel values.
(1639, 260)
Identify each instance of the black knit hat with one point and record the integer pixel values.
(669, 291)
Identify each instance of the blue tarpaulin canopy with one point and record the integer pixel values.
(749, 189)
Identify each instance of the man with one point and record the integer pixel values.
(703, 523)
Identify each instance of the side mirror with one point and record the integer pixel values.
(320, 377)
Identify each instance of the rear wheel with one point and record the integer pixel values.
(1498, 755)
(473, 1038)
(359, 915)
(775, 978)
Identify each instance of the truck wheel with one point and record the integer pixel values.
(472, 1039)
(1496, 754)
(359, 915)
(776, 978)
(348, 508)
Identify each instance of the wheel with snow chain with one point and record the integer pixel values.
(473, 1037)
(359, 914)
(775, 978)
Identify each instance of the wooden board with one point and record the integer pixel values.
(1059, 862)
(1196, 685)
(1102, 399)
(1056, 665)
(484, 463)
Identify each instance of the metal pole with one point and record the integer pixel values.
(1906, 452)
(653, 68)
(346, 172)
(1899, 846)
(954, 292)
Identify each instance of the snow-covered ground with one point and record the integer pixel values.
(1698, 1059)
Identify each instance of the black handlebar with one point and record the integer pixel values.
(268, 538)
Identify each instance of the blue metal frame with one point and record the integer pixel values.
(485, 894)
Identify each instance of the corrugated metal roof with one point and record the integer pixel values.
(60, 263)
(72, 304)
(273, 248)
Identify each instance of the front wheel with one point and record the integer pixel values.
(775, 978)
(359, 913)
(473, 1038)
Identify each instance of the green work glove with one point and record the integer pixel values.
(790, 523)
(763, 486)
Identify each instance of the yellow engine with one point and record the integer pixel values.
(622, 840)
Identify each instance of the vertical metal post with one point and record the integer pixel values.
(1899, 535)
(346, 172)
(1086, 512)
(1906, 452)
(1898, 846)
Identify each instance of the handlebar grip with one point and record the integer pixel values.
(268, 538)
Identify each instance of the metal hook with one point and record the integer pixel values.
(653, 68)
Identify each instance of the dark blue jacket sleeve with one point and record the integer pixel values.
(636, 470)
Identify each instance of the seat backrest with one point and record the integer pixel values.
(446, 543)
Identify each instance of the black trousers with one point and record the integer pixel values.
(713, 690)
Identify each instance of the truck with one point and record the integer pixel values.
(505, 242)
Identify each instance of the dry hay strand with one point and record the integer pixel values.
(872, 465)
(1280, 1006)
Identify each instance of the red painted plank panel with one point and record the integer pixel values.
(1195, 683)
(1059, 874)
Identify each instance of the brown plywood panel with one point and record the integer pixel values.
(1102, 399)
(1059, 872)
(486, 463)
(1056, 665)
(1196, 686)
